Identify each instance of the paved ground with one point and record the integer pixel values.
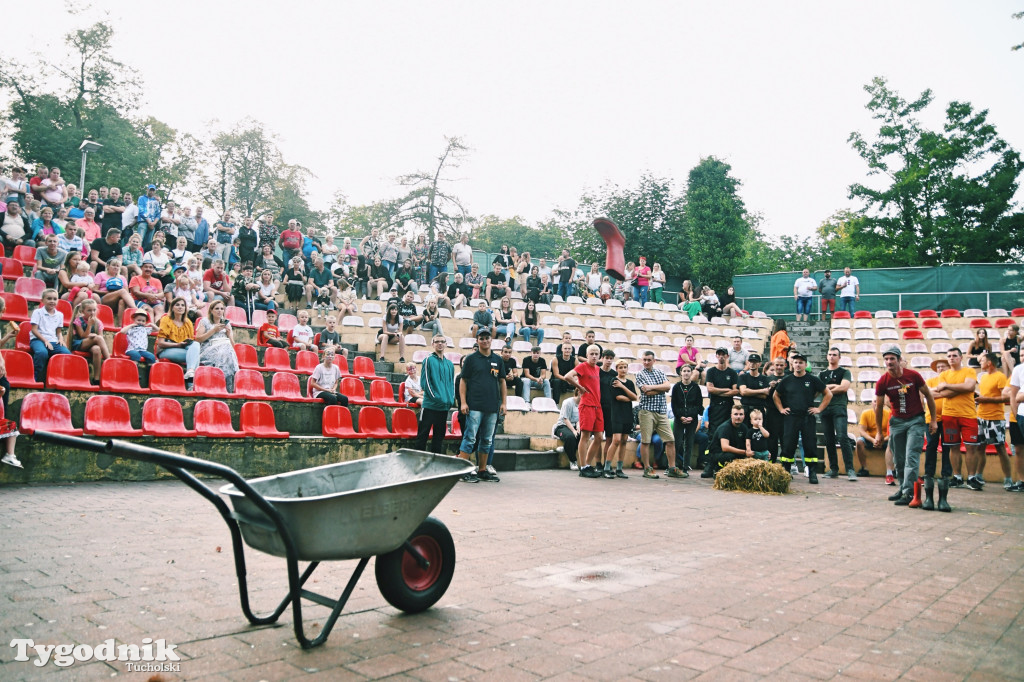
(558, 577)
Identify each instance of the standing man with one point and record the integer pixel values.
(653, 385)
(437, 379)
(992, 415)
(113, 209)
(827, 289)
(438, 255)
(566, 266)
(803, 293)
(754, 388)
(794, 399)
(1015, 395)
(833, 419)
(585, 376)
(462, 255)
(849, 292)
(907, 394)
(773, 419)
(561, 365)
(722, 383)
(148, 217)
(687, 408)
(482, 395)
(960, 417)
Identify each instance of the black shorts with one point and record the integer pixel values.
(1016, 437)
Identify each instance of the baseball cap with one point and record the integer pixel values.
(894, 350)
(798, 356)
(483, 331)
(179, 267)
(721, 350)
(753, 357)
(150, 186)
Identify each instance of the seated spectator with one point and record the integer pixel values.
(244, 290)
(163, 268)
(531, 323)
(709, 303)
(268, 334)
(137, 334)
(535, 371)
(81, 284)
(405, 279)
(482, 319)
(567, 428)
(46, 323)
(728, 302)
(324, 381)
(391, 332)
(103, 249)
(505, 320)
(513, 380)
(217, 343)
(49, 259)
(15, 228)
(132, 255)
(979, 346)
(181, 254)
(302, 333)
(563, 363)
(866, 439)
(497, 284)
(456, 294)
(475, 281)
(185, 287)
(86, 335)
(1011, 348)
(546, 288)
(88, 225)
(266, 295)
(295, 281)
(44, 226)
(112, 288)
(346, 299)
(413, 390)
(331, 338)
(379, 279)
(11, 333)
(147, 290)
(430, 318)
(268, 261)
(209, 253)
(216, 284)
(8, 428)
(320, 286)
(175, 340)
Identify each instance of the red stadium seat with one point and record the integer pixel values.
(306, 361)
(17, 307)
(46, 412)
(381, 393)
(285, 386)
(126, 317)
(12, 269)
(236, 316)
(209, 381)
(276, 360)
(950, 312)
(364, 367)
(353, 389)
(913, 334)
(402, 399)
(25, 255)
(106, 318)
(247, 357)
(68, 373)
(257, 420)
(904, 313)
(167, 378)
(212, 418)
(162, 417)
(403, 423)
(65, 308)
(862, 315)
(341, 362)
(249, 384)
(316, 340)
(120, 375)
(372, 423)
(980, 323)
(121, 347)
(927, 313)
(337, 422)
(906, 324)
(20, 371)
(454, 427)
(109, 416)
(285, 322)
(30, 287)
(841, 315)
(21, 341)
(931, 323)
(1004, 322)
(259, 318)
(1017, 312)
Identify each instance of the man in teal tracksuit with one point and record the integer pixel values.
(437, 379)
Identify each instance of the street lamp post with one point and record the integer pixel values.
(87, 146)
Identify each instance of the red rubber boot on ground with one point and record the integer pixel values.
(615, 260)
(916, 502)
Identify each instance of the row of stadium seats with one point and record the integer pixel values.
(947, 313)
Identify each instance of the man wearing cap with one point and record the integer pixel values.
(907, 394)
(482, 395)
(722, 383)
(754, 387)
(827, 290)
(833, 419)
(148, 217)
(803, 293)
(794, 399)
(147, 290)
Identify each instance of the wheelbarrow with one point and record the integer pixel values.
(374, 507)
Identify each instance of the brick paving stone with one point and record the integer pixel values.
(556, 579)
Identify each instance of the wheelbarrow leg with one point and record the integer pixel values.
(336, 605)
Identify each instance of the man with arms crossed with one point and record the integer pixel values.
(960, 417)
(653, 385)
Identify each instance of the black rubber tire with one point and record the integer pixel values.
(403, 583)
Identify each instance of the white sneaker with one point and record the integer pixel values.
(492, 470)
(189, 375)
(12, 460)
(573, 466)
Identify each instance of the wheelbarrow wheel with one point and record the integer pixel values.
(404, 583)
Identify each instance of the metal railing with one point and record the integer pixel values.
(917, 300)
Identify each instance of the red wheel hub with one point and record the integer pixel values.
(417, 578)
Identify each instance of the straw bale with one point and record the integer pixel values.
(753, 476)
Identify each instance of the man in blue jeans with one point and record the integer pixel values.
(803, 292)
(482, 394)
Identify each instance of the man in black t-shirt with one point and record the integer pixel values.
(513, 382)
(753, 387)
(563, 363)
(566, 266)
(723, 385)
(794, 398)
(113, 207)
(535, 373)
(103, 249)
(482, 394)
(497, 287)
(834, 419)
(582, 353)
(728, 442)
(606, 375)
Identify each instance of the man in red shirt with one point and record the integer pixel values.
(41, 173)
(642, 284)
(586, 376)
(905, 390)
(216, 283)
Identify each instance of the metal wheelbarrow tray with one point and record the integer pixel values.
(377, 506)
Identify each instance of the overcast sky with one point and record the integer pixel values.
(556, 97)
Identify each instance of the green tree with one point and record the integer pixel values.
(429, 203)
(945, 195)
(716, 223)
(490, 232)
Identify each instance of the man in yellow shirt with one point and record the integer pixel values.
(959, 415)
(991, 415)
(934, 443)
(868, 431)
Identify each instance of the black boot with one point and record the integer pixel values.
(709, 468)
(943, 506)
(812, 473)
(904, 499)
(899, 492)
(929, 485)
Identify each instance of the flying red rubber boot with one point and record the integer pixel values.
(615, 260)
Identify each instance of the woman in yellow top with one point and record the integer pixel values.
(781, 343)
(175, 342)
